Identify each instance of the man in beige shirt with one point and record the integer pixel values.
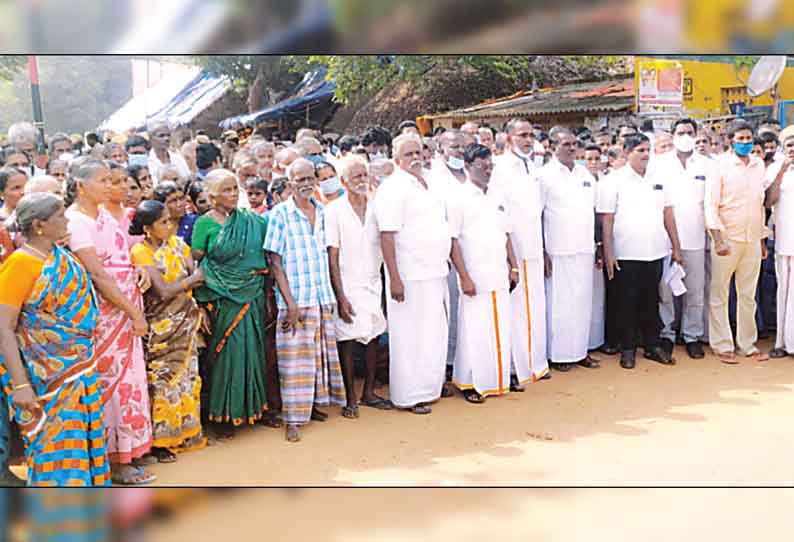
(734, 212)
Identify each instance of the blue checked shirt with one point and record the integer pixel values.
(303, 254)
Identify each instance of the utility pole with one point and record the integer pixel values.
(38, 117)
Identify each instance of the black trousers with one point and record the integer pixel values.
(638, 302)
(612, 310)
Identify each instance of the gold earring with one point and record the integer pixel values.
(39, 232)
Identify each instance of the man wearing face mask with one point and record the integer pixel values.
(568, 195)
(446, 177)
(416, 242)
(687, 172)
(734, 211)
(639, 227)
(514, 176)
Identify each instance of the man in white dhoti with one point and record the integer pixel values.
(354, 260)
(568, 194)
(593, 163)
(687, 172)
(445, 178)
(416, 243)
(515, 178)
(483, 256)
(780, 197)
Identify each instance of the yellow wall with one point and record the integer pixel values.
(707, 80)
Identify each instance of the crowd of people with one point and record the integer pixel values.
(156, 291)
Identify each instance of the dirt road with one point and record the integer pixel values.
(697, 423)
(474, 515)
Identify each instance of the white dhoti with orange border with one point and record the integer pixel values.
(482, 354)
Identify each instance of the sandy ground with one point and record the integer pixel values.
(463, 515)
(697, 423)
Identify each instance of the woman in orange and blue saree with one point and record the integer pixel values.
(48, 316)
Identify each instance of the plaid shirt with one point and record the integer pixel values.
(303, 254)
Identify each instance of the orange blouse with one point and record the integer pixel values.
(18, 276)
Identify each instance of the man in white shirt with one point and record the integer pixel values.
(354, 260)
(160, 155)
(639, 227)
(568, 194)
(687, 172)
(595, 166)
(445, 178)
(484, 258)
(416, 243)
(514, 176)
(780, 198)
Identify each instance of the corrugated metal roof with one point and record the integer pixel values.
(616, 95)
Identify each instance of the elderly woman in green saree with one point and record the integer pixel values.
(228, 242)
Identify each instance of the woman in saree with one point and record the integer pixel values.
(48, 314)
(228, 242)
(103, 249)
(174, 318)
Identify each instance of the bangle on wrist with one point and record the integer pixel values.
(514, 270)
(22, 386)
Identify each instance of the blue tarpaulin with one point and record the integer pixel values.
(177, 99)
(314, 92)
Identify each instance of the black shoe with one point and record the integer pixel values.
(656, 353)
(695, 350)
(547, 376)
(515, 385)
(562, 367)
(627, 359)
(667, 345)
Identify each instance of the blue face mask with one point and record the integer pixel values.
(582, 163)
(743, 149)
(315, 158)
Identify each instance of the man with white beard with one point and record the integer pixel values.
(484, 257)
(569, 197)
(416, 244)
(515, 177)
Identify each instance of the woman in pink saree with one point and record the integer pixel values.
(103, 248)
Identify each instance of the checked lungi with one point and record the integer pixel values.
(308, 364)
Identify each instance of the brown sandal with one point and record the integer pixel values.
(728, 358)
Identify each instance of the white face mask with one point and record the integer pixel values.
(330, 186)
(455, 163)
(538, 160)
(684, 143)
(521, 154)
(604, 159)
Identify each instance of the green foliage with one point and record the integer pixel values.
(358, 75)
(279, 73)
(10, 66)
(77, 92)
